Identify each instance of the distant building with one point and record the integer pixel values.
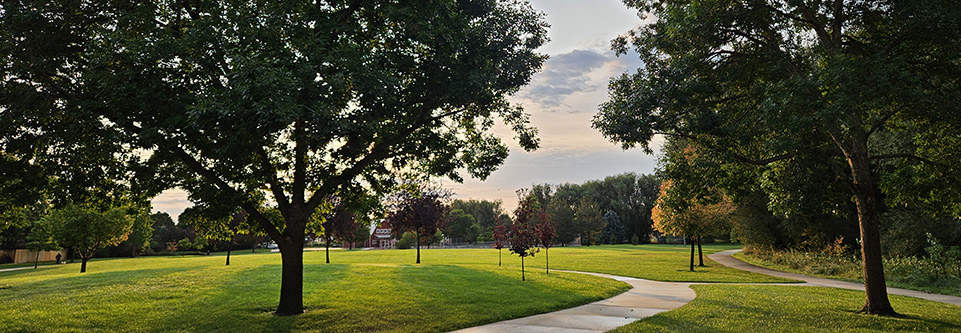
(380, 238)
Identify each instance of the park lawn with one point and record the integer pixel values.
(765, 308)
(359, 291)
(653, 262)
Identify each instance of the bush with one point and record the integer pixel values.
(635, 240)
(406, 241)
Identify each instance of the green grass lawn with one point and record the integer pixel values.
(359, 291)
(653, 262)
(383, 290)
(753, 308)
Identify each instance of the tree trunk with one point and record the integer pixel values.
(866, 197)
(83, 264)
(700, 253)
(523, 275)
(327, 250)
(692, 254)
(292, 278)
(37, 261)
(498, 257)
(229, 243)
(547, 260)
(417, 240)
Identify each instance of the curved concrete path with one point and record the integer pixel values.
(725, 258)
(646, 298)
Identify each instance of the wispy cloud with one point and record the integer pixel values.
(577, 73)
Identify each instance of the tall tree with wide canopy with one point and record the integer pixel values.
(764, 80)
(284, 102)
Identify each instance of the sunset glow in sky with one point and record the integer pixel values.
(562, 99)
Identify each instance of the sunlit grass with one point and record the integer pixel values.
(753, 308)
(360, 291)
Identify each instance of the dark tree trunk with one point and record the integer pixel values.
(133, 250)
(866, 197)
(327, 250)
(547, 260)
(72, 254)
(692, 254)
(498, 257)
(523, 275)
(292, 278)
(83, 264)
(417, 240)
(700, 253)
(37, 261)
(230, 242)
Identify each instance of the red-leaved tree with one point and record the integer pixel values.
(522, 238)
(500, 237)
(419, 209)
(545, 233)
(339, 224)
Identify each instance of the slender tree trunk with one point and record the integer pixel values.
(866, 196)
(83, 264)
(523, 275)
(692, 254)
(230, 242)
(37, 261)
(292, 278)
(700, 253)
(328, 249)
(547, 260)
(499, 257)
(417, 240)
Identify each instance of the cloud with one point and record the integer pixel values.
(567, 77)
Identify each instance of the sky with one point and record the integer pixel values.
(562, 100)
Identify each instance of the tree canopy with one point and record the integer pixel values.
(769, 82)
(281, 102)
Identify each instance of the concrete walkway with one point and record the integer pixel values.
(646, 298)
(724, 258)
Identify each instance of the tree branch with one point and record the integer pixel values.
(282, 202)
(211, 176)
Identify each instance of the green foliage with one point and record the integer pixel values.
(85, 230)
(782, 86)
(614, 230)
(462, 226)
(732, 308)
(253, 102)
(485, 212)
(407, 241)
(634, 240)
(922, 274)
(587, 218)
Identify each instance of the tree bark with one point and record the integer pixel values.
(292, 278)
(692, 254)
(523, 275)
(700, 253)
(229, 243)
(498, 257)
(83, 264)
(327, 250)
(866, 197)
(417, 240)
(37, 261)
(547, 260)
